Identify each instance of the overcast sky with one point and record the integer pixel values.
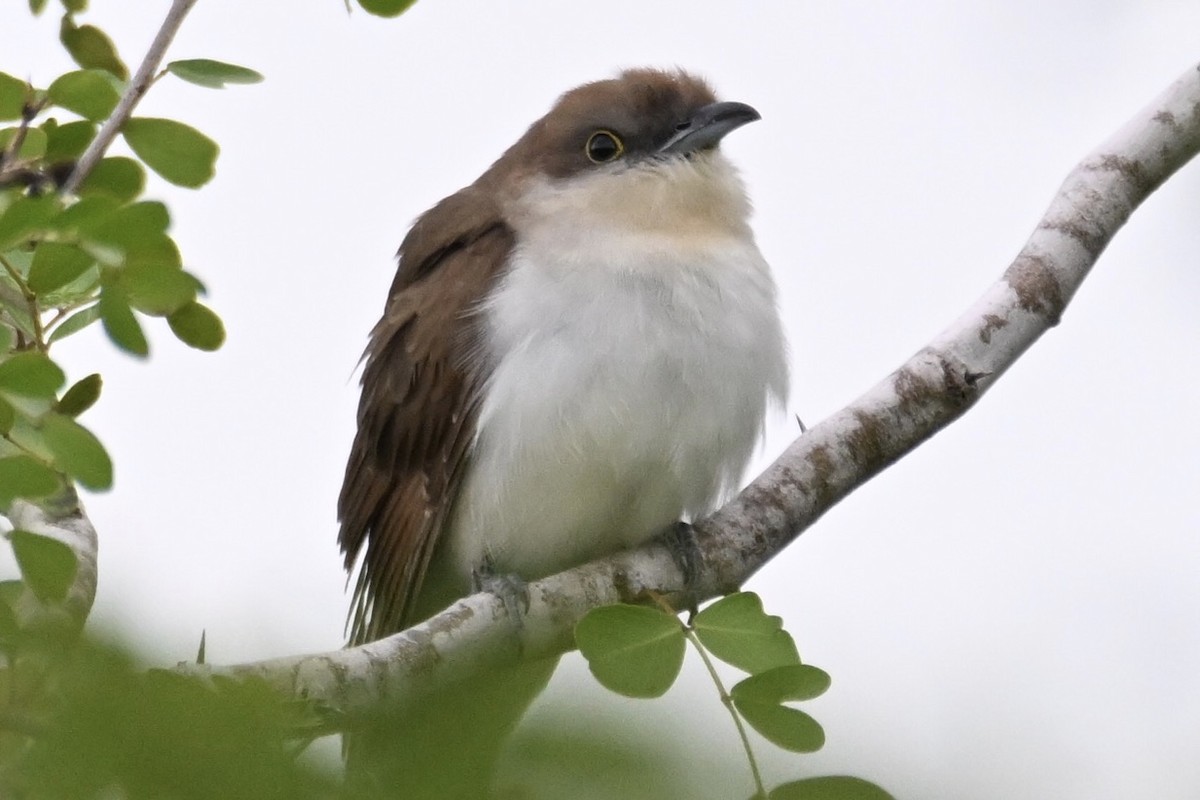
(1012, 611)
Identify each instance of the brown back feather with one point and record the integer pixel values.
(416, 417)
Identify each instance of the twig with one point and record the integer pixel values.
(689, 632)
(138, 87)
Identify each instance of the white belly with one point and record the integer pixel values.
(625, 396)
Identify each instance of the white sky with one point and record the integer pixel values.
(1012, 611)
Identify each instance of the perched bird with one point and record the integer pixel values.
(578, 350)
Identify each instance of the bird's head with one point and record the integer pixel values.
(638, 151)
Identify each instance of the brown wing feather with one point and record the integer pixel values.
(416, 417)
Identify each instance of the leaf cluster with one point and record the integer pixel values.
(81, 245)
(104, 727)
(101, 254)
(638, 651)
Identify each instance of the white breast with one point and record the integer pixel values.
(633, 364)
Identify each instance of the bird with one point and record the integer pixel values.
(578, 351)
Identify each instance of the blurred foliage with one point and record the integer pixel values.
(90, 723)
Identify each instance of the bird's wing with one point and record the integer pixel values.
(416, 418)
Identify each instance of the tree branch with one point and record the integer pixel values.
(138, 87)
(826, 463)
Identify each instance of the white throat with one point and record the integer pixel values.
(635, 346)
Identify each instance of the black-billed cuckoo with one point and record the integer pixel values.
(577, 351)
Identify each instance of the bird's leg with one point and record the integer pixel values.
(511, 588)
(680, 541)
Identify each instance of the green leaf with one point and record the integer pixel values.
(16, 311)
(91, 48)
(86, 215)
(13, 94)
(7, 339)
(139, 231)
(632, 650)
(8, 416)
(832, 787)
(77, 452)
(116, 176)
(25, 476)
(792, 682)
(82, 396)
(197, 326)
(129, 223)
(120, 323)
(67, 142)
(386, 8)
(55, 265)
(789, 728)
(179, 153)
(47, 565)
(86, 92)
(74, 6)
(9, 627)
(33, 146)
(760, 699)
(214, 74)
(36, 6)
(158, 290)
(737, 631)
(30, 374)
(76, 322)
(23, 217)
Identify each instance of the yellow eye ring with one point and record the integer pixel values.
(603, 146)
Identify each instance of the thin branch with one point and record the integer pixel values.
(924, 395)
(138, 87)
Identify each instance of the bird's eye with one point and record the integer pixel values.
(603, 146)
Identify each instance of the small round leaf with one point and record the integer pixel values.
(91, 48)
(179, 153)
(77, 451)
(87, 92)
(66, 142)
(76, 322)
(82, 396)
(30, 374)
(55, 265)
(386, 8)
(632, 650)
(120, 323)
(13, 94)
(25, 476)
(737, 631)
(760, 700)
(47, 565)
(24, 216)
(118, 177)
(197, 326)
(158, 290)
(213, 74)
(831, 787)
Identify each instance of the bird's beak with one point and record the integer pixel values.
(708, 126)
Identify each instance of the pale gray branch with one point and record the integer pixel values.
(826, 463)
(138, 86)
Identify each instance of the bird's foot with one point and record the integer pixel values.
(680, 541)
(511, 588)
